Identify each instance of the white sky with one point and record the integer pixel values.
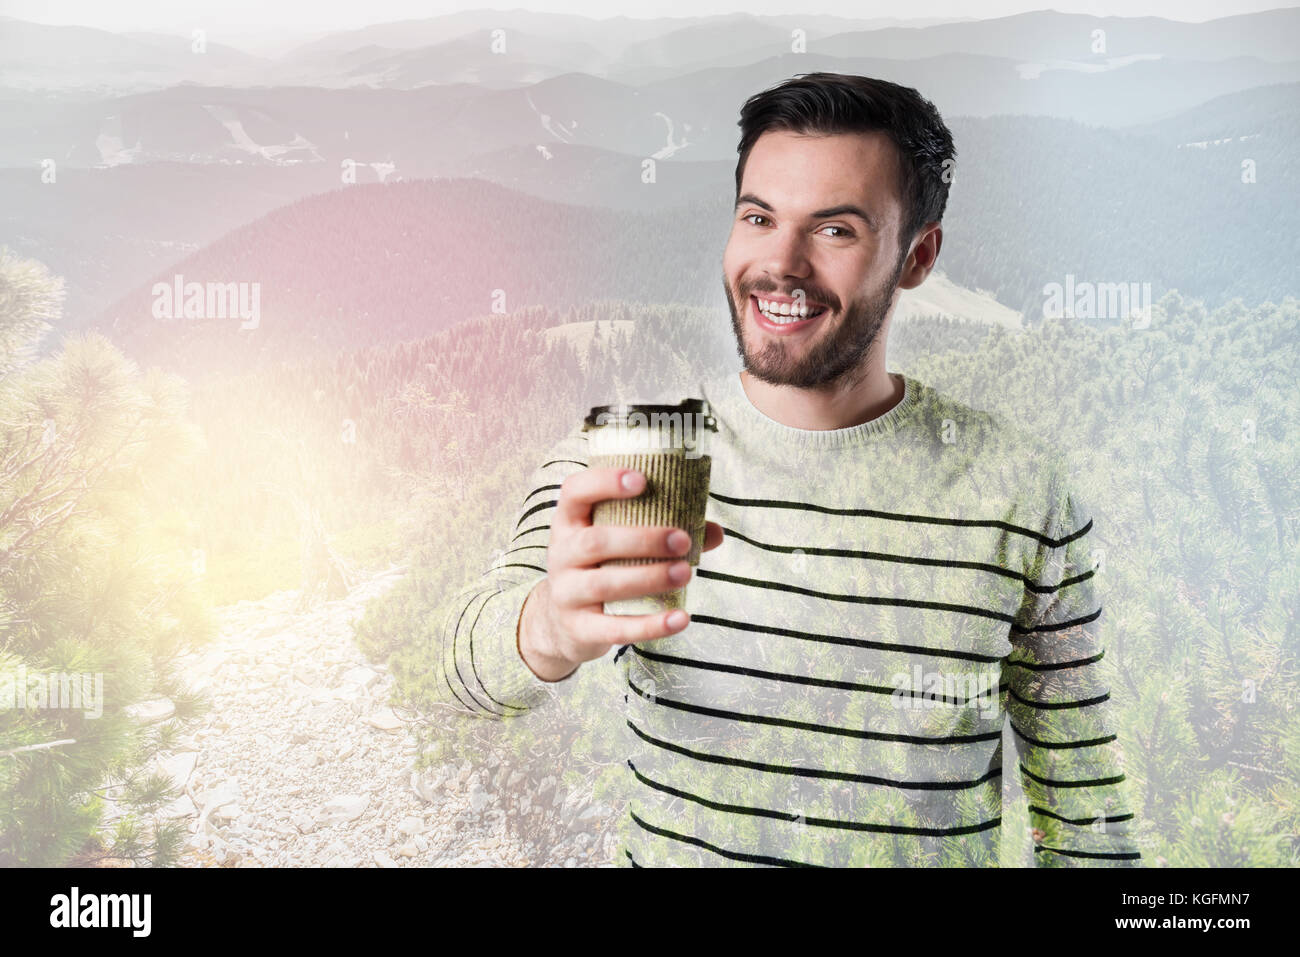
(315, 15)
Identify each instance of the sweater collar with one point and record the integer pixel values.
(734, 408)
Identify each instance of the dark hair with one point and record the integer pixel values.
(830, 103)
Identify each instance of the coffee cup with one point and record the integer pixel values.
(669, 445)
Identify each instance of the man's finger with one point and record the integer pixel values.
(581, 490)
(712, 536)
(629, 629)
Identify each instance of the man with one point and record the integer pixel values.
(885, 569)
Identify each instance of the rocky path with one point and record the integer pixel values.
(301, 763)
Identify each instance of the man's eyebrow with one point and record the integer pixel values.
(841, 210)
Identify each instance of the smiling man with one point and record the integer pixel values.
(891, 580)
(819, 282)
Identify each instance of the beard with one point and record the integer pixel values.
(833, 356)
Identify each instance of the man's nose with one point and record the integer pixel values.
(788, 254)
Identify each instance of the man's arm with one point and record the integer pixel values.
(1059, 706)
(480, 666)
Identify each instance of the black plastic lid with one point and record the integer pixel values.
(619, 414)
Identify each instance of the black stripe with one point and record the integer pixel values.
(536, 508)
(794, 679)
(731, 855)
(816, 772)
(809, 726)
(1064, 583)
(1062, 744)
(1117, 856)
(455, 658)
(518, 565)
(1060, 625)
(1059, 705)
(817, 821)
(558, 461)
(1090, 783)
(455, 663)
(839, 640)
(520, 548)
(474, 668)
(447, 681)
(904, 517)
(544, 488)
(536, 528)
(630, 857)
(1056, 665)
(1113, 819)
(861, 599)
(912, 560)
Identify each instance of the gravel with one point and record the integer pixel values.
(302, 762)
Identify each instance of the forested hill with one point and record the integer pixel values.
(388, 263)
(1200, 203)
(1271, 109)
(1035, 201)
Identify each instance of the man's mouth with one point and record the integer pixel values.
(784, 316)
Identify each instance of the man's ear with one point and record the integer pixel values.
(921, 260)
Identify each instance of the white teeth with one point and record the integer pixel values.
(782, 312)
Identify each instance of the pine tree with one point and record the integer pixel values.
(91, 611)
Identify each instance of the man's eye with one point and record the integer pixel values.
(843, 231)
(753, 215)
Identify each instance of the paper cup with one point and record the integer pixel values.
(669, 445)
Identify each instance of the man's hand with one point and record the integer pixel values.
(563, 623)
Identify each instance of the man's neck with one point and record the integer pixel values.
(849, 402)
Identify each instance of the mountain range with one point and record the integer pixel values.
(1104, 147)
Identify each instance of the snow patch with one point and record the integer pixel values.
(241, 140)
(1033, 70)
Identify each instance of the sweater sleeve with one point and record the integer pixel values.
(1059, 705)
(479, 661)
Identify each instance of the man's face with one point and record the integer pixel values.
(793, 233)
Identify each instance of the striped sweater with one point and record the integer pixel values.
(891, 601)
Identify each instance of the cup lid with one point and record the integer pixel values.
(622, 415)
